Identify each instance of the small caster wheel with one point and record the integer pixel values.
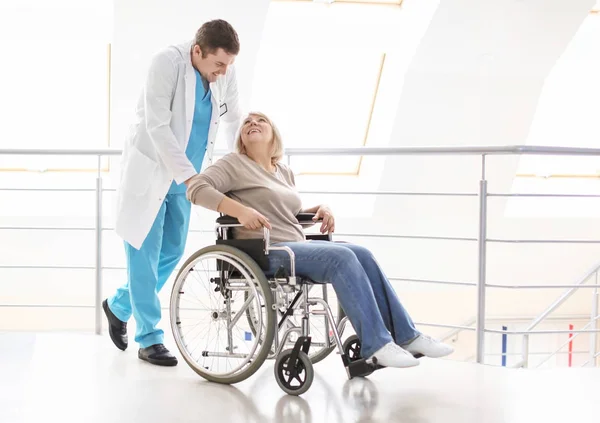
(294, 378)
(351, 348)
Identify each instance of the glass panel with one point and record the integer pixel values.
(55, 94)
(568, 109)
(320, 87)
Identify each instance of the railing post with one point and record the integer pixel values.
(98, 243)
(594, 335)
(525, 351)
(481, 241)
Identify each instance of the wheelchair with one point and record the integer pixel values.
(228, 317)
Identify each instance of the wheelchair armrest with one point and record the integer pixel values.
(320, 237)
(227, 220)
(305, 219)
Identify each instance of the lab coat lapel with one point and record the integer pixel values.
(215, 95)
(190, 98)
(215, 99)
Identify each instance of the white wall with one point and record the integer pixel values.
(469, 78)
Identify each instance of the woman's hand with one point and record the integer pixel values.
(251, 219)
(328, 225)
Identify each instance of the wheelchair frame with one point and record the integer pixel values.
(292, 362)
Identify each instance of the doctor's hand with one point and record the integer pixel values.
(251, 219)
(187, 181)
(328, 224)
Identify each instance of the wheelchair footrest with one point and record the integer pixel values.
(360, 368)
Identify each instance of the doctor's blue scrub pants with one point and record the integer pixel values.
(153, 263)
(149, 268)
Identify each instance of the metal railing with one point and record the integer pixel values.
(482, 240)
(556, 304)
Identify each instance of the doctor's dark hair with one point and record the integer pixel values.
(217, 34)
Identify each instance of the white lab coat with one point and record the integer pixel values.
(154, 152)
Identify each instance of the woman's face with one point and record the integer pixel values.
(256, 130)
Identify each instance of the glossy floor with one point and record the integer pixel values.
(83, 378)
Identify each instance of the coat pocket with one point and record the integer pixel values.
(140, 172)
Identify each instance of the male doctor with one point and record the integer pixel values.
(188, 88)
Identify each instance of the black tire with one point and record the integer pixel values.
(352, 348)
(304, 368)
(262, 285)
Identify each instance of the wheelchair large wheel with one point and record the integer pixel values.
(210, 296)
(319, 326)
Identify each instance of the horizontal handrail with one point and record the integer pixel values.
(362, 151)
(508, 354)
(455, 331)
(382, 193)
(539, 332)
(47, 267)
(544, 241)
(531, 195)
(46, 228)
(539, 286)
(398, 193)
(391, 278)
(50, 189)
(390, 236)
(454, 283)
(61, 151)
(395, 236)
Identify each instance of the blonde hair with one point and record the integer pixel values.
(276, 149)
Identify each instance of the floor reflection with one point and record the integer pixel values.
(81, 378)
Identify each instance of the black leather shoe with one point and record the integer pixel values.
(116, 328)
(157, 354)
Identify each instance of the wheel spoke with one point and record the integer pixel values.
(202, 334)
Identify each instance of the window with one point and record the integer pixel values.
(567, 115)
(396, 2)
(318, 76)
(569, 108)
(328, 106)
(55, 93)
(383, 2)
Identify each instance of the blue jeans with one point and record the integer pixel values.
(150, 267)
(364, 292)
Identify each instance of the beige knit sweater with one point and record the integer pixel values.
(242, 179)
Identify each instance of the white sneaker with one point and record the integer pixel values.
(429, 347)
(391, 355)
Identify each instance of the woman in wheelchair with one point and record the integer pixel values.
(254, 187)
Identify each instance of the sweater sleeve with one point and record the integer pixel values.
(208, 188)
